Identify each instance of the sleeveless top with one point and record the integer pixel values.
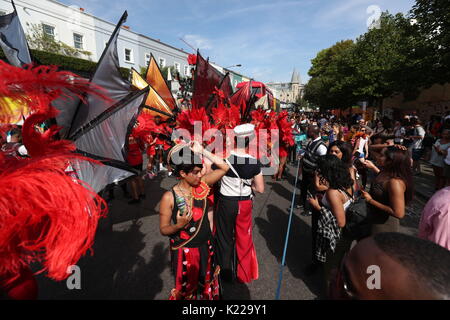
(197, 232)
(381, 221)
(346, 204)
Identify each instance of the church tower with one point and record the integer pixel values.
(295, 85)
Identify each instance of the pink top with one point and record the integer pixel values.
(435, 223)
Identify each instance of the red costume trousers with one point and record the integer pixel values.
(236, 252)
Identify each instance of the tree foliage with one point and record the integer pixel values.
(403, 54)
(432, 20)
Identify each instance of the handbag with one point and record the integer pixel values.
(357, 225)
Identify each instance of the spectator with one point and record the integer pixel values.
(314, 150)
(343, 151)
(361, 153)
(379, 129)
(447, 167)
(335, 175)
(391, 190)
(417, 147)
(408, 269)
(434, 223)
(438, 154)
(399, 133)
(363, 124)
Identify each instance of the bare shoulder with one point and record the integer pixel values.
(167, 199)
(396, 184)
(333, 194)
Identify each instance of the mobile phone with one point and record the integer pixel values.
(309, 194)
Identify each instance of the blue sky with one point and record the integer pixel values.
(268, 37)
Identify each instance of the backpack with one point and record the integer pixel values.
(309, 160)
(357, 225)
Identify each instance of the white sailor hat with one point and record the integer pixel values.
(244, 130)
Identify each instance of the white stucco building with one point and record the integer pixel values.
(81, 30)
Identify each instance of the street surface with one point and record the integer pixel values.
(131, 258)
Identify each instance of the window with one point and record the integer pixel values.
(147, 59)
(128, 55)
(48, 30)
(186, 70)
(78, 41)
(178, 67)
(162, 62)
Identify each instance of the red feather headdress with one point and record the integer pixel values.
(46, 215)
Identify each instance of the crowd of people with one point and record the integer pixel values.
(356, 179)
(343, 157)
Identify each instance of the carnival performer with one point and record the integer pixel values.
(135, 160)
(286, 141)
(161, 145)
(233, 218)
(183, 218)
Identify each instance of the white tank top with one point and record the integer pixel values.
(326, 204)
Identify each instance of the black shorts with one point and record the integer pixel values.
(417, 154)
(446, 171)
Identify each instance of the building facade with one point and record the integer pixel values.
(81, 30)
(288, 92)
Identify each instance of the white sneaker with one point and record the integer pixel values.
(162, 168)
(169, 173)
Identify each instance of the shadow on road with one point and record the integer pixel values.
(121, 211)
(235, 291)
(281, 190)
(298, 255)
(115, 271)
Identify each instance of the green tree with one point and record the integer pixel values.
(387, 60)
(330, 85)
(432, 19)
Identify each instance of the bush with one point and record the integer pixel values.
(84, 68)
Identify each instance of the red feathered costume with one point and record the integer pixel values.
(46, 216)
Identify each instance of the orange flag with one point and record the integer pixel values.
(155, 104)
(155, 79)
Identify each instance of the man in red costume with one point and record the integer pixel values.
(233, 219)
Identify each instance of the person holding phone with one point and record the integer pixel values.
(183, 217)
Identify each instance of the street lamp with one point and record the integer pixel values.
(236, 65)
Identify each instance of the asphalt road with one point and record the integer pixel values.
(131, 258)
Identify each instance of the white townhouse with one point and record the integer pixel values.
(81, 30)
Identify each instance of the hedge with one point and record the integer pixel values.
(84, 68)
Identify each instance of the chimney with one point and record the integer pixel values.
(126, 27)
(82, 9)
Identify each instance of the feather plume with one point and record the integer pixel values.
(46, 216)
(34, 87)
